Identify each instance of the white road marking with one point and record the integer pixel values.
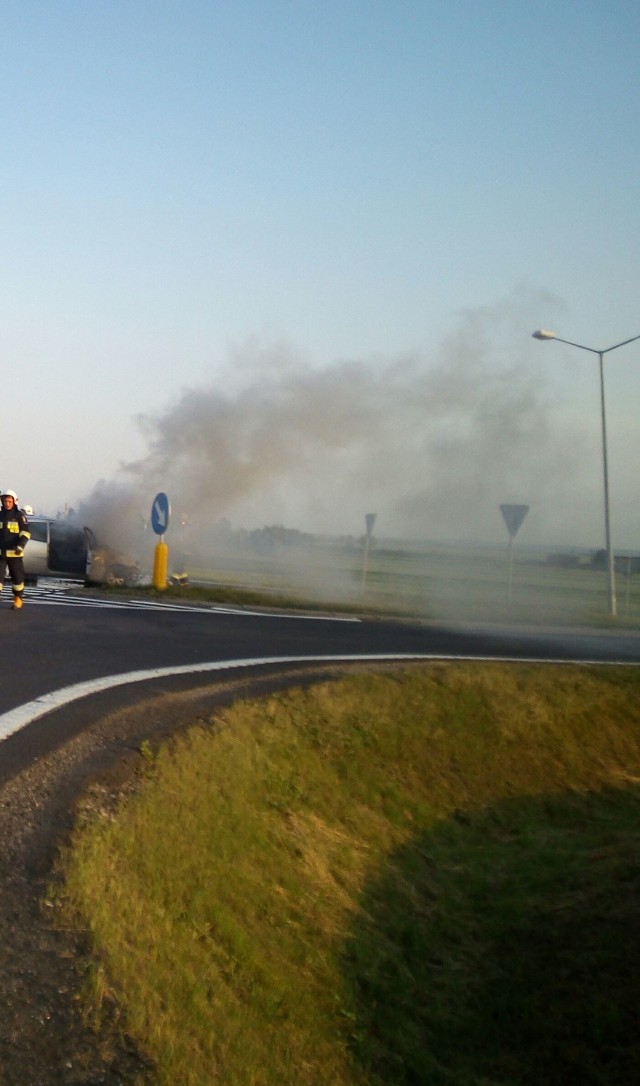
(56, 597)
(23, 715)
(15, 719)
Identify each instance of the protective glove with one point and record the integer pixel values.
(19, 551)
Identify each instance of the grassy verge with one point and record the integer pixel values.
(427, 876)
(446, 584)
(229, 596)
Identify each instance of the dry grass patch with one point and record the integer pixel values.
(427, 876)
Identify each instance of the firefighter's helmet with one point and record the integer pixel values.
(10, 494)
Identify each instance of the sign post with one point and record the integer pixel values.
(160, 514)
(513, 517)
(369, 519)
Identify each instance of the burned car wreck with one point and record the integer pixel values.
(59, 548)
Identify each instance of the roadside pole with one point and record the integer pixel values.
(369, 519)
(160, 514)
(513, 517)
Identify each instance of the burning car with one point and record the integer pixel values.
(59, 548)
(110, 566)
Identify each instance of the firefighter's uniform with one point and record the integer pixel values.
(14, 536)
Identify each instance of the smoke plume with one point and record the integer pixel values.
(431, 443)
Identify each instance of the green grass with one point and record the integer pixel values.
(425, 876)
(228, 595)
(430, 581)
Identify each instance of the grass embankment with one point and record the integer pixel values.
(228, 596)
(419, 877)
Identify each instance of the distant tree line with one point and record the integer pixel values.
(261, 540)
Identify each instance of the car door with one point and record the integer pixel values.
(68, 549)
(36, 553)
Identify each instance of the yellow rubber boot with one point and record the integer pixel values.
(17, 603)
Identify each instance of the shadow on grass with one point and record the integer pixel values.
(503, 947)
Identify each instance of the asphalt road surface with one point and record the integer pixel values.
(67, 648)
(83, 681)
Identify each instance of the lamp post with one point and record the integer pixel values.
(543, 333)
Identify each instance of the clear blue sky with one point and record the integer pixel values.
(187, 183)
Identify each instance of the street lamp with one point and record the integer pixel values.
(543, 333)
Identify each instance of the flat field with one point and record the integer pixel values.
(446, 582)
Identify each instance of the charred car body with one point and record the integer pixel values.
(58, 548)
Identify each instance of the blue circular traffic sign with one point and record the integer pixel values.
(160, 513)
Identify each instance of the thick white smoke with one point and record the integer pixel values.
(431, 443)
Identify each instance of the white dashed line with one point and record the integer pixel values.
(55, 597)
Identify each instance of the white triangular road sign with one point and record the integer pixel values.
(513, 517)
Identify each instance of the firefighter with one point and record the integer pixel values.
(14, 536)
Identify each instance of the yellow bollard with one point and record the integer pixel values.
(160, 564)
